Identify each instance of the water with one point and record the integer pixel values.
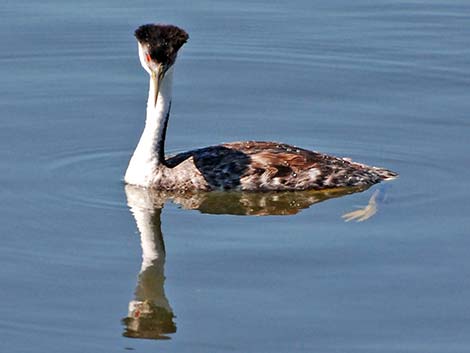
(383, 82)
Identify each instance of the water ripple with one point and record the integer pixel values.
(87, 177)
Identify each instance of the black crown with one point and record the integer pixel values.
(163, 41)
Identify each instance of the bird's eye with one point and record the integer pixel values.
(147, 57)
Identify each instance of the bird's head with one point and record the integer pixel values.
(158, 47)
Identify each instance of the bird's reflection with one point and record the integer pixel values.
(238, 203)
(150, 314)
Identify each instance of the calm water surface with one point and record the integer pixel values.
(83, 261)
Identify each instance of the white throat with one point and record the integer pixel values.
(148, 156)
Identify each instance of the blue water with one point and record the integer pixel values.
(383, 82)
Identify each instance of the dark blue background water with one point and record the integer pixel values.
(383, 82)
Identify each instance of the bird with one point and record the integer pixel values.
(256, 166)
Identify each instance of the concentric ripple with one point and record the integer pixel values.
(92, 178)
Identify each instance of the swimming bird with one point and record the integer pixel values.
(242, 166)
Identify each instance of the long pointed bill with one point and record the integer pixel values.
(157, 78)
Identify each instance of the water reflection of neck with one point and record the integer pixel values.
(150, 314)
(151, 278)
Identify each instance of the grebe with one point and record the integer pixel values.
(243, 166)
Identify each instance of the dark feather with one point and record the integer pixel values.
(163, 41)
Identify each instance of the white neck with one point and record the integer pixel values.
(149, 153)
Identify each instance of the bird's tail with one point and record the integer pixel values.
(385, 174)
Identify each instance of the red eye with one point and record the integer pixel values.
(147, 57)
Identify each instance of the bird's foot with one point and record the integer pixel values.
(364, 213)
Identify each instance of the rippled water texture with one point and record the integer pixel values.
(88, 265)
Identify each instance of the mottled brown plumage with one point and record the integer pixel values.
(267, 166)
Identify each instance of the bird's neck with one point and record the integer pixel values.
(149, 154)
